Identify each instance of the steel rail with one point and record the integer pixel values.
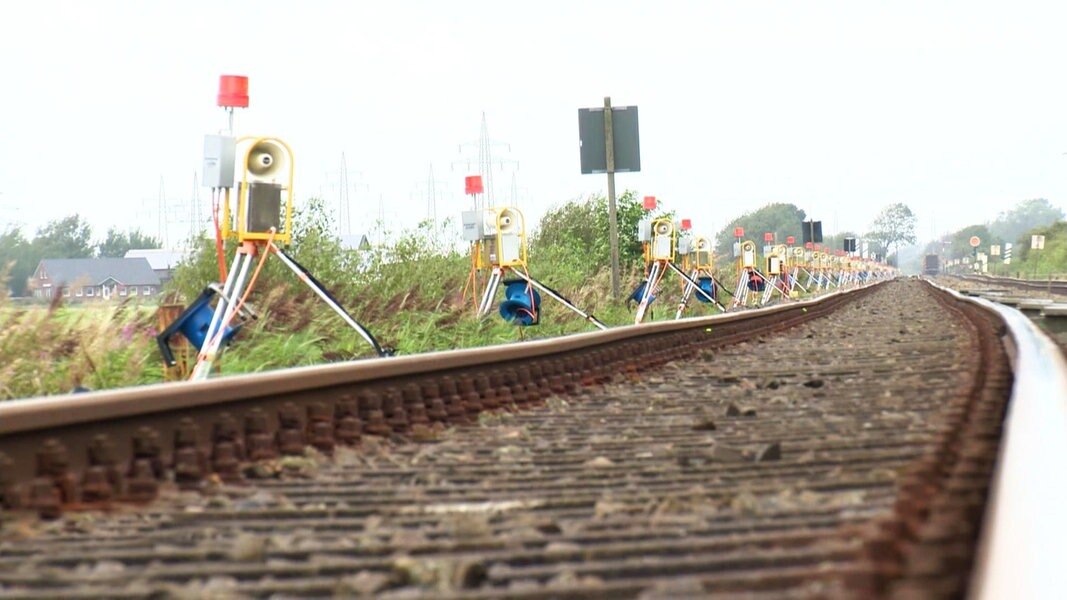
(1021, 550)
(1052, 286)
(52, 449)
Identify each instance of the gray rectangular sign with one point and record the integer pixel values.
(624, 130)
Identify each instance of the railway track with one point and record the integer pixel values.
(836, 448)
(1052, 287)
(1037, 300)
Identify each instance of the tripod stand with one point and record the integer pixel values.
(237, 288)
(526, 309)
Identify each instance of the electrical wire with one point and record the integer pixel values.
(220, 253)
(248, 290)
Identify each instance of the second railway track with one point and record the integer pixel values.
(848, 456)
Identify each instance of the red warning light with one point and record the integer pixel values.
(233, 91)
(768, 237)
(649, 203)
(474, 184)
(809, 245)
(687, 224)
(739, 232)
(790, 240)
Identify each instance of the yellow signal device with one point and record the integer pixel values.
(664, 236)
(265, 191)
(774, 265)
(775, 259)
(748, 254)
(510, 238)
(702, 254)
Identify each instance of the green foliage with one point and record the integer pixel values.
(1010, 225)
(575, 237)
(200, 268)
(45, 350)
(959, 243)
(118, 243)
(68, 237)
(893, 226)
(269, 350)
(1051, 260)
(18, 259)
(781, 219)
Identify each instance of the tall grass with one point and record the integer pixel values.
(47, 350)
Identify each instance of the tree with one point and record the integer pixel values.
(1028, 214)
(577, 233)
(17, 255)
(118, 243)
(959, 243)
(66, 238)
(895, 224)
(781, 219)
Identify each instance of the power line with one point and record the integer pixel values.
(486, 162)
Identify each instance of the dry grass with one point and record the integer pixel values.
(45, 350)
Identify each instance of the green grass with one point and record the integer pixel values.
(48, 350)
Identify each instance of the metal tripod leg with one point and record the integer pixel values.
(686, 294)
(490, 292)
(741, 293)
(654, 275)
(555, 296)
(796, 280)
(769, 287)
(322, 294)
(224, 312)
(692, 285)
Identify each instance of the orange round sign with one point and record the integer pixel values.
(975, 240)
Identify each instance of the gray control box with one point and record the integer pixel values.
(473, 225)
(644, 230)
(219, 153)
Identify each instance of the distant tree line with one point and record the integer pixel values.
(69, 237)
(1011, 226)
(1037, 216)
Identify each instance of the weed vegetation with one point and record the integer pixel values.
(409, 292)
(54, 349)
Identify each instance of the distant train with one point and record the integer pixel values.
(932, 265)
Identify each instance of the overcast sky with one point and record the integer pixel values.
(958, 109)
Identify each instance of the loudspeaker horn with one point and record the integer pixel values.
(510, 221)
(267, 161)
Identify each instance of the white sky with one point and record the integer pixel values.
(958, 109)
